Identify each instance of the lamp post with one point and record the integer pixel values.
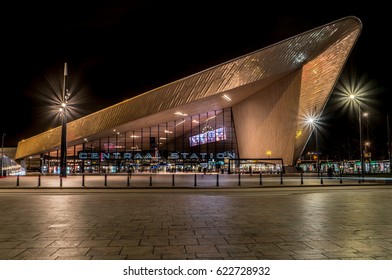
(317, 151)
(367, 153)
(360, 141)
(352, 97)
(2, 153)
(63, 112)
(312, 122)
(366, 115)
(389, 146)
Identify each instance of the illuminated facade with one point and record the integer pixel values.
(253, 106)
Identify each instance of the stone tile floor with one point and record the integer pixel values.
(291, 223)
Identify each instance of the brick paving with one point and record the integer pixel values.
(291, 223)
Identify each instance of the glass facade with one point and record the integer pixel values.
(196, 143)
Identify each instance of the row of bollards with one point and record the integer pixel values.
(195, 180)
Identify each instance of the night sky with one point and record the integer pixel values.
(118, 49)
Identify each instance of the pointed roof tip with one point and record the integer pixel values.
(350, 18)
(353, 18)
(356, 21)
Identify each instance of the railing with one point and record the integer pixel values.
(181, 180)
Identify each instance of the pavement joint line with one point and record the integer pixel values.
(188, 189)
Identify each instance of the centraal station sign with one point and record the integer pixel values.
(149, 156)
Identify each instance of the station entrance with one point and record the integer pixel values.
(256, 165)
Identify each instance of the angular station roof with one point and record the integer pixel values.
(324, 49)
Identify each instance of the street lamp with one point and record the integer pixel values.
(312, 122)
(353, 98)
(63, 113)
(367, 153)
(389, 145)
(2, 153)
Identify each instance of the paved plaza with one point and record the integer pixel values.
(285, 223)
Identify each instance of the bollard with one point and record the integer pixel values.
(150, 180)
(261, 180)
(128, 179)
(106, 179)
(340, 178)
(61, 181)
(217, 179)
(281, 177)
(302, 178)
(239, 179)
(321, 178)
(195, 182)
(39, 180)
(17, 180)
(173, 180)
(83, 185)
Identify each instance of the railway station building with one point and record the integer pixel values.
(248, 112)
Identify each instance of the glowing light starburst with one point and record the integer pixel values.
(352, 91)
(311, 120)
(49, 97)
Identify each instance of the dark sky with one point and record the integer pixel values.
(118, 49)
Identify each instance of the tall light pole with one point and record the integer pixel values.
(63, 112)
(366, 115)
(2, 153)
(317, 151)
(352, 97)
(389, 145)
(367, 153)
(312, 121)
(360, 140)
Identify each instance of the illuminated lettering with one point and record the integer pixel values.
(148, 156)
(127, 156)
(94, 155)
(83, 155)
(220, 155)
(194, 156)
(230, 155)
